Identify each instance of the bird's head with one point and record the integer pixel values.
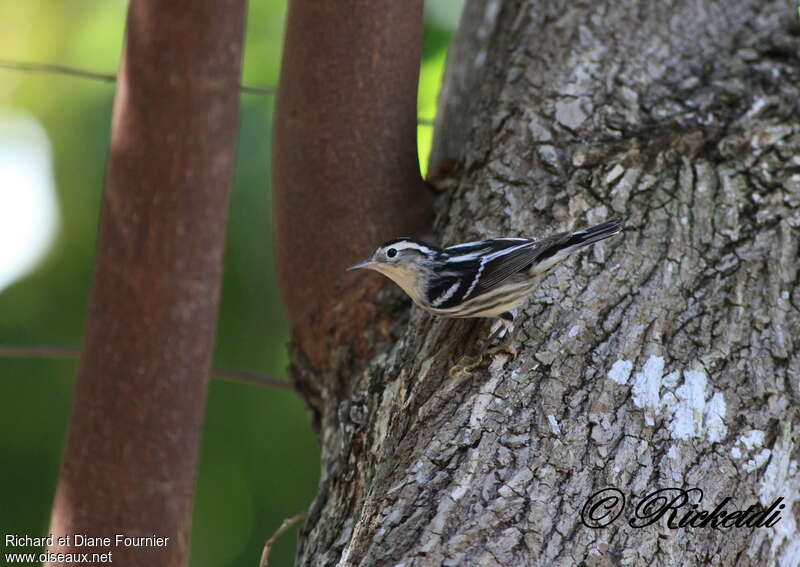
(403, 260)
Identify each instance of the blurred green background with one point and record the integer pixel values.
(259, 461)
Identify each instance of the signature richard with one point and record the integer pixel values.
(681, 509)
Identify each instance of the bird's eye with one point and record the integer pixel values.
(391, 253)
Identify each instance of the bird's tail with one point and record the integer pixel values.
(565, 243)
(592, 234)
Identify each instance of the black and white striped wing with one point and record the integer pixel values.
(496, 267)
(477, 268)
(485, 265)
(466, 266)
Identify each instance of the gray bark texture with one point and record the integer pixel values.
(668, 357)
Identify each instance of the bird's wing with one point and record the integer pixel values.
(498, 266)
(449, 287)
(493, 244)
(498, 259)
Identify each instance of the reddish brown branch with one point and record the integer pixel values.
(345, 170)
(129, 464)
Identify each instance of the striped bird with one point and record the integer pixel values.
(486, 278)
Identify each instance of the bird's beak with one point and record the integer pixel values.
(363, 264)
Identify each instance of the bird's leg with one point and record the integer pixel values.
(505, 322)
(501, 326)
(467, 364)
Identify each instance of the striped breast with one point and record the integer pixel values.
(506, 297)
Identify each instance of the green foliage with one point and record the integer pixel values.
(259, 459)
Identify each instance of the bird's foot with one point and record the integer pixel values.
(507, 348)
(468, 364)
(500, 330)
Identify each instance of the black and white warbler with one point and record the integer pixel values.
(487, 278)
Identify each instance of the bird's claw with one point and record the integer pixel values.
(467, 364)
(506, 348)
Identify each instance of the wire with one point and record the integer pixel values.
(92, 75)
(41, 351)
(77, 73)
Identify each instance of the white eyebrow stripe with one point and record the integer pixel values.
(446, 295)
(410, 246)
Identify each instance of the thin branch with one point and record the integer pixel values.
(36, 351)
(287, 523)
(104, 77)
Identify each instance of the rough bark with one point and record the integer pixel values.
(666, 358)
(129, 465)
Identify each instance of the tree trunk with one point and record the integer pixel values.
(666, 358)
